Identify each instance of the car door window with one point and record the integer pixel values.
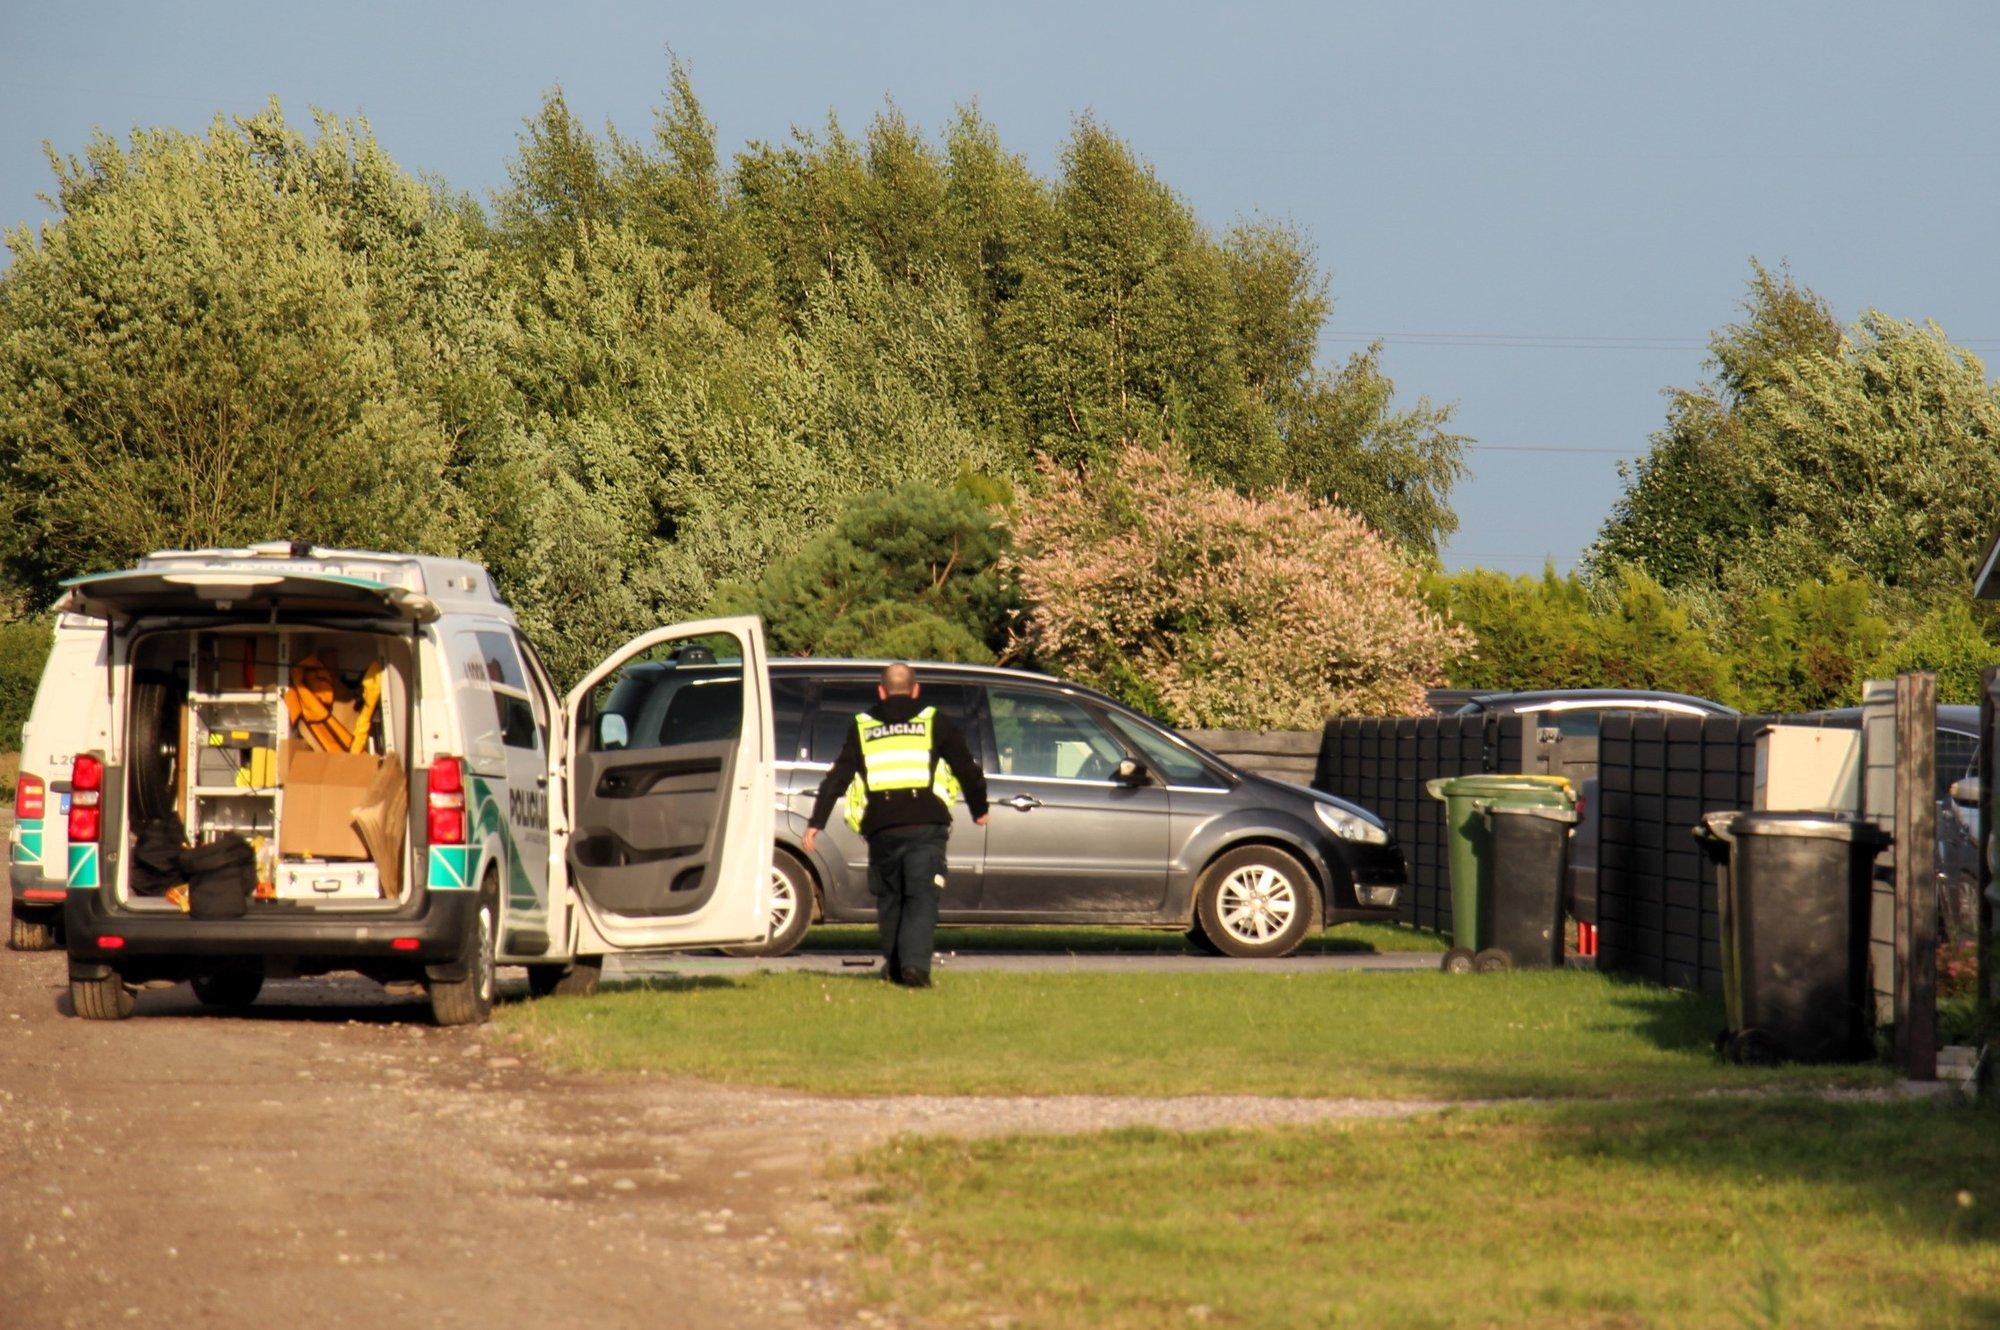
(1957, 756)
(1049, 736)
(513, 703)
(788, 716)
(1175, 764)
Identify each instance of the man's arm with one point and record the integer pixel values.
(835, 785)
(951, 746)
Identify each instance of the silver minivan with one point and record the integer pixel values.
(1099, 815)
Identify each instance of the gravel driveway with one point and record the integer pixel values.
(331, 1159)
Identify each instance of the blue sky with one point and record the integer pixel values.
(1543, 208)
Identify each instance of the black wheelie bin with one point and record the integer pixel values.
(1794, 892)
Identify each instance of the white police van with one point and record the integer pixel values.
(393, 777)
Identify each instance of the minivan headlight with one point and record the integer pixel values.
(1350, 826)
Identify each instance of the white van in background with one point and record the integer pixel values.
(69, 707)
(394, 783)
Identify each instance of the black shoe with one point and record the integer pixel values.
(915, 978)
(890, 973)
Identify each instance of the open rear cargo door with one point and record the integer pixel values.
(239, 592)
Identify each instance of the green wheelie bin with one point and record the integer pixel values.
(1469, 854)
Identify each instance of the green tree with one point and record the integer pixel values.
(1871, 450)
(230, 338)
(1562, 632)
(909, 573)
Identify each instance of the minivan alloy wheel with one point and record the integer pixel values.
(1257, 903)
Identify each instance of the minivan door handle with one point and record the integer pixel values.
(1023, 802)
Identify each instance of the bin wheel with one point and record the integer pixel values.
(1458, 960)
(1753, 1048)
(1492, 961)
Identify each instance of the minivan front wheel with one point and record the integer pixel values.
(1256, 902)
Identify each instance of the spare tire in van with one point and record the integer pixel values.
(157, 697)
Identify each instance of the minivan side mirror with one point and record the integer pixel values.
(1133, 772)
(611, 733)
(1966, 791)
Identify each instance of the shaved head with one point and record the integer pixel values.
(898, 680)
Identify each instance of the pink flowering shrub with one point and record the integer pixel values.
(1218, 609)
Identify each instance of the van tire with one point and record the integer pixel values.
(106, 999)
(233, 988)
(577, 979)
(1247, 874)
(469, 1001)
(25, 934)
(790, 876)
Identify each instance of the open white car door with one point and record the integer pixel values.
(667, 787)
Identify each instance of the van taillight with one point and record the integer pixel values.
(30, 798)
(447, 802)
(86, 798)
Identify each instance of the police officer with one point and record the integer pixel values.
(901, 770)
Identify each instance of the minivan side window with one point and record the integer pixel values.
(1049, 736)
(788, 715)
(841, 700)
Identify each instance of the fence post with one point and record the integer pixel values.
(1989, 909)
(1916, 875)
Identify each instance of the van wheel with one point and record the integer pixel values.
(1256, 903)
(577, 979)
(27, 934)
(106, 999)
(228, 988)
(791, 909)
(469, 1001)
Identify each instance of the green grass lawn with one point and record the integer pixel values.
(1625, 1216)
(1379, 1035)
(1342, 939)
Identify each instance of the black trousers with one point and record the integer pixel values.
(906, 877)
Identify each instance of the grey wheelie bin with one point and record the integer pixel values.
(1469, 856)
(1794, 892)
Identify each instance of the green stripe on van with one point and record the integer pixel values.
(28, 849)
(450, 868)
(83, 865)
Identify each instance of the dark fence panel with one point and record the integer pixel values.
(1656, 891)
(1384, 763)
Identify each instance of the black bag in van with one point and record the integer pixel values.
(221, 877)
(156, 859)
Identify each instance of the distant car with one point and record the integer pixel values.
(1099, 815)
(1591, 702)
(1563, 741)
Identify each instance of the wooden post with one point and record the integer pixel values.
(1916, 875)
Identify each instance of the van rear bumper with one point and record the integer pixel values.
(175, 946)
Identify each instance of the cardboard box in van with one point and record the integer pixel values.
(322, 790)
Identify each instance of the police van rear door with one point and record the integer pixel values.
(667, 780)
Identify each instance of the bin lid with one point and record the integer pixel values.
(1820, 826)
(1506, 788)
(1551, 812)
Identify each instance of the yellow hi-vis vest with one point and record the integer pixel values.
(898, 755)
